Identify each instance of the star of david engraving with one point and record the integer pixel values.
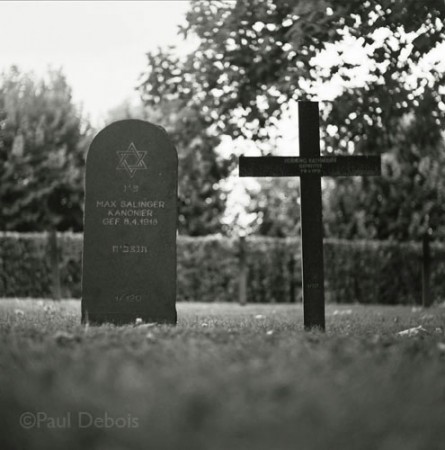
(131, 160)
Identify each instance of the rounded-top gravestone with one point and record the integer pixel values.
(129, 252)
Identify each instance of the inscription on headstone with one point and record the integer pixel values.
(129, 253)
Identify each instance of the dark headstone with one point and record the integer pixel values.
(129, 253)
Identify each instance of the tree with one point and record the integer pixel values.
(255, 57)
(201, 168)
(43, 139)
(277, 208)
(408, 200)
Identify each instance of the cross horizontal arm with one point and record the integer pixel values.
(289, 166)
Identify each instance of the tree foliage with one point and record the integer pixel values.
(42, 144)
(255, 57)
(201, 168)
(276, 207)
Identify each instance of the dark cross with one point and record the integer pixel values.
(310, 167)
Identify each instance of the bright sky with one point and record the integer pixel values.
(100, 45)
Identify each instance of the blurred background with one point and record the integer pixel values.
(223, 77)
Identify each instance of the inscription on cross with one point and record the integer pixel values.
(310, 167)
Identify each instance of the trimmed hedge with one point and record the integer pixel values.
(209, 267)
(24, 266)
(373, 272)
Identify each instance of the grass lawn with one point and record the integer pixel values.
(227, 377)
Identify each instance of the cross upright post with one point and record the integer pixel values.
(310, 167)
(310, 220)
